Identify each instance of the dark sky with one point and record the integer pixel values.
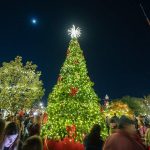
(115, 40)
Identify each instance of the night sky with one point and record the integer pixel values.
(115, 40)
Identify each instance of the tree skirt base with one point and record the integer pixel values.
(65, 144)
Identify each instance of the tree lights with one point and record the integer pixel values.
(73, 102)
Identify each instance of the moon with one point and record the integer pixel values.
(34, 21)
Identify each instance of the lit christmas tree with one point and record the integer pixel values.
(73, 106)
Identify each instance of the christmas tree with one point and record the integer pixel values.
(73, 106)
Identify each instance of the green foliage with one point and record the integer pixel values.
(20, 85)
(147, 103)
(73, 101)
(135, 104)
(119, 108)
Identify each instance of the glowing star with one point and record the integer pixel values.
(74, 32)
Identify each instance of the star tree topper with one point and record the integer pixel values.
(74, 32)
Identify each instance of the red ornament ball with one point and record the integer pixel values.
(59, 78)
(73, 91)
(68, 52)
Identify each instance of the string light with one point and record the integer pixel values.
(66, 109)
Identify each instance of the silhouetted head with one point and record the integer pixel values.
(127, 124)
(11, 135)
(33, 143)
(11, 129)
(96, 129)
(114, 123)
(94, 137)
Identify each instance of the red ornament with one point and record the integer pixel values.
(71, 131)
(64, 144)
(73, 91)
(101, 109)
(68, 52)
(76, 62)
(45, 118)
(59, 78)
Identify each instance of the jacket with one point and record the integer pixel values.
(122, 141)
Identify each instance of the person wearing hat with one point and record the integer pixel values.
(123, 138)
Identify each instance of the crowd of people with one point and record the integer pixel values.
(22, 132)
(124, 134)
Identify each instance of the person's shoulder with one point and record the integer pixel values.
(85, 138)
(117, 136)
(117, 141)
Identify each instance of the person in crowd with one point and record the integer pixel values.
(26, 124)
(33, 143)
(31, 121)
(136, 122)
(147, 136)
(20, 125)
(1, 115)
(16, 120)
(25, 114)
(21, 113)
(2, 127)
(93, 140)
(31, 112)
(21, 116)
(8, 120)
(138, 138)
(123, 138)
(11, 138)
(142, 130)
(107, 124)
(113, 125)
(35, 127)
(115, 116)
